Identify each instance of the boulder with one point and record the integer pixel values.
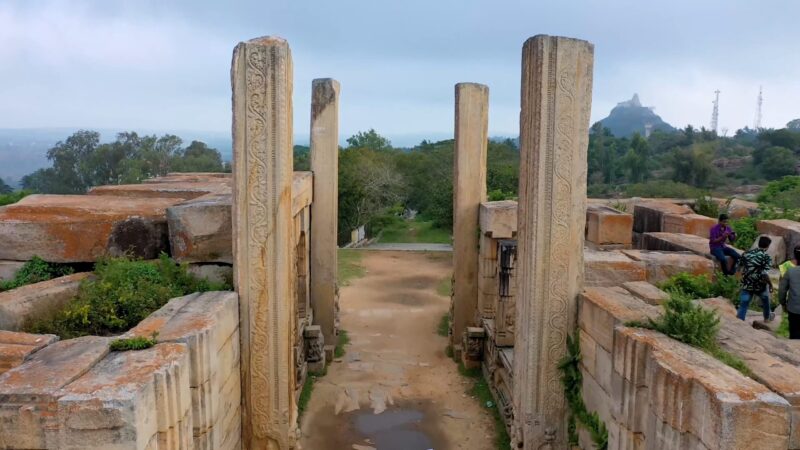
(610, 268)
(789, 230)
(21, 306)
(662, 265)
(498, 220)
(83, 228)
(648, 216)
(606, 225)
(200, 230)
(776, 250)
(739, 208)
(688, 224)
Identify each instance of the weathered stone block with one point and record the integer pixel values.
(499, 219)
(611, 268)
(603, 308)
(302, 191)
(29, 392)
(789, 230)
(777, 249)
(82, 228)
(191, 177)
(648, 216)
(215, 273)
(606, 225)
(15, 347)
(739, 208)
(181, 190)
(694, 224)
(200, 230)
(662, 265)
(676, 242)
(127, 399)
(646, 292)
(21, 306)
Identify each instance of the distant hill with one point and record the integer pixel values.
(631, 117)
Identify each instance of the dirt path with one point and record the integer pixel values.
(395, 389)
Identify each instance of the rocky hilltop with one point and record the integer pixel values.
(631, 117)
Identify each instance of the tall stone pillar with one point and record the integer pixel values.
(469, 190)
(261, 78)
(554, 133)
(324, 209)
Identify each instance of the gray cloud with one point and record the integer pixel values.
(165, 65)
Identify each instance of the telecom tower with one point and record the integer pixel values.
(715, 114)
(757, 123)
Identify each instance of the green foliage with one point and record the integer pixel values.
(123, 292)
(783, 328)
(693, 165)
(34, 271)
(12, 197)
(774, 188)
(746, 231)
(414, 231)
(579, 415)
(445, 287)
(5, 188)
(302, 158)
(443, 329)
(81, 161)
(135, 343)
(481, 392)
(305, 393)
(707, 206)
(637, 160)
(349, 266)
(497, 195)
(369, 140)
(342, 340)
(778, 162)
(701, 286)
(688, 322)
(662, 188)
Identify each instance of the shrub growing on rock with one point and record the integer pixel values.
(34, 271)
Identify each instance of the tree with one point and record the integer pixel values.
(794, 125)
(369, 139)
(637, 160)
(197, 157)
(4, 188)
(778, 162)
(693, 165)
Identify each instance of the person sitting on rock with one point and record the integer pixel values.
(789, 295)
(755, 280)
(718, 236)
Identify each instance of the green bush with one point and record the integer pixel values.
(702, 286)
(662, 188)
(135, 343)
(123, 292)
(773, 189)
(13, 197)
(707, 206)
(746, 232)
(34, 271)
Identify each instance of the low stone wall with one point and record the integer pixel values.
(21, 306)
(654, 392)
(182, 393)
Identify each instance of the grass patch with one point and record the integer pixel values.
(414, 231)
(123, 293)
(34, 271)
(349, 266)
(341, 341)
(688, 322)
(483, 394)
(136, 343)
(572, 380)
(448, 351)
(443, 329)
(13, 197)
(308, 389)
(445, 287)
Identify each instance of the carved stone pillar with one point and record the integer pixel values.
(469, 190)
(554, 133)
(263, 247)
(324, 210)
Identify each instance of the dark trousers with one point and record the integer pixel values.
(794, 325)
(720, 253)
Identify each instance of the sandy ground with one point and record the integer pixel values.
(395, 388)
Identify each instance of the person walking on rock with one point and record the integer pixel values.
(789, 295)
(755, 280)
(719, 235)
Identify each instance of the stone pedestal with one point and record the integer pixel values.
(315, 348)
(261, 77)
(324, 210)
(469, 190)
(554, 122)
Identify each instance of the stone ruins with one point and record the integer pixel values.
(228, 366)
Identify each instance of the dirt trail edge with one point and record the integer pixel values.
(395, 388)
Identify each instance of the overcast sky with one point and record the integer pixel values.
(164, 64)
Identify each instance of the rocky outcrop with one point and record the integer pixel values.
(39, 301)
(662, 265)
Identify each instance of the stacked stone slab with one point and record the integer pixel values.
(16, 347)
(662, 265)
(654, 392)
(611, 268)
(694, 224)
(675, 242)
(648, 216)
(39, 301)
(498, 221)
(208, 324)
(608, 227)
(81, 228)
